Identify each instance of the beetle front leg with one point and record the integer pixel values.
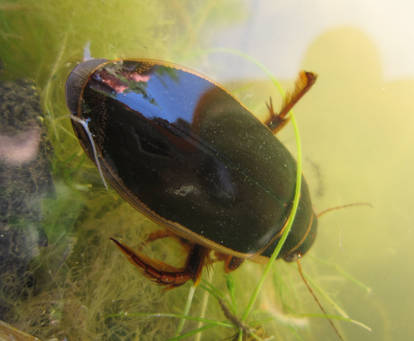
(277, 121)
(166, 274)
(231, 263)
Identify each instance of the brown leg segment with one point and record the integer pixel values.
(231, 263)
(166, 274)
(278, 120)
(160, 234)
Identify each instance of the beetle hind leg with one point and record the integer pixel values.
(277, 121)
(165, 274)
(160, 234)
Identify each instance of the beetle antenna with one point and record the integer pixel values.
(316, 299)
(343, 206)
(84, 125)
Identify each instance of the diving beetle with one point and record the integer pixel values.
(188, 155)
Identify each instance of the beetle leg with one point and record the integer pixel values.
(231, 263)
(278, 120)
(159, 234)
(166, 274)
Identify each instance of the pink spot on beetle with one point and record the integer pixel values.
(135, 76)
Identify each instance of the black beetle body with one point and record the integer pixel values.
(188, 155)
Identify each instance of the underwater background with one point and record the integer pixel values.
(60, 276)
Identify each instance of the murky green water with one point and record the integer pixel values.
(61, 278)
